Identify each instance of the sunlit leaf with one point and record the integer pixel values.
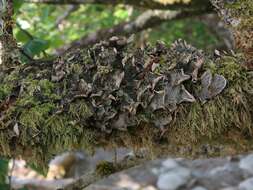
(21, 36)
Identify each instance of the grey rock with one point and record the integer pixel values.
(229, 188)
(173, 179)
(170, 164)
(246, 184)
(247, 164)
(183, 174)
(199, 188)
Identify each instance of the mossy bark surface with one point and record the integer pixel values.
(8, 47)
(238, 15)
(49, 107)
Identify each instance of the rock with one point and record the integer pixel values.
(173, 179)
(183, 174)
(199, 188)
(229, 188)
(247, 164)
(170, 164)
(246, 185)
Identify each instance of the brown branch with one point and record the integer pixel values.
(148, 19)
(218, 29)
(66, 14)
(150, 4)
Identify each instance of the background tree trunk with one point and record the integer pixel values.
(8, 46)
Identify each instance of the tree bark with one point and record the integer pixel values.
(8, 46)
(238, 15)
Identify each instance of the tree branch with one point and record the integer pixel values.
(217, 27)
(150, 4)
(148, 19)
(65, 15)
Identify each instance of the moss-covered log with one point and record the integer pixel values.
(115, 95)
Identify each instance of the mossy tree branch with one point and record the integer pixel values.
(102, 96)
(110, 94)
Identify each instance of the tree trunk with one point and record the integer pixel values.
(238, 15)
(8, 46)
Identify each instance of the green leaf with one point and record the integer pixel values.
(21, 36)
(4, 186)
(17, 4)
(3, 171)
(36, 46)
(121, 14)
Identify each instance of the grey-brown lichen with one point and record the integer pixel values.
(120, 84)
(72, 101)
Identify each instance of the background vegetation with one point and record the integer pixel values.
(39, 32)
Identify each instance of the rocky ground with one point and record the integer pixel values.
(230, 173)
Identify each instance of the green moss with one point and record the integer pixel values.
(5, 90)
(243, 10)
(48, 88)
(35, 117)
(229, 67)
(105, 168)
(80, 110)
(8, 83)
(224, 113)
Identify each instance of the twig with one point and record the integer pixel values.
(194, 4)
(65, 15)
(148, 19)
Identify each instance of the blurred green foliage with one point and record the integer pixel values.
(3, 173)
(39, 35)
(193, 31)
